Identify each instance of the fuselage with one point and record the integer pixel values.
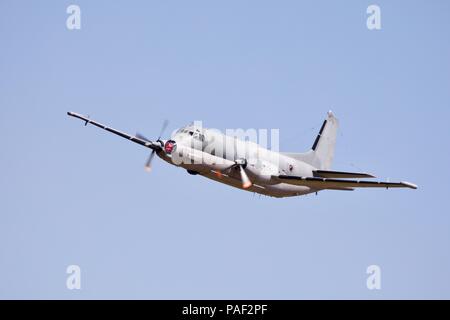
(212, 154)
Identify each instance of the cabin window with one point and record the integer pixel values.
(199, 136)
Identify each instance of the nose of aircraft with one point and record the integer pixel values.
(169, 146)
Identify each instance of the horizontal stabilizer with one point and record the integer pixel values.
(326, 183)
(340, 174)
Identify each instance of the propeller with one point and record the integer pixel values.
(148, 164)
(246, 183)
(240, 164)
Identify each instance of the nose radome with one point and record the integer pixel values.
(169, 146)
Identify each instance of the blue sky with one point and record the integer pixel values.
(76, 195)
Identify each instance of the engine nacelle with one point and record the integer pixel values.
(261, 172)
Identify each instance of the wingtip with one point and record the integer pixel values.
(74, 114)
(410, 185)
(368, 175)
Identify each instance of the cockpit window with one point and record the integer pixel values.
(195, 134)
(199, 136)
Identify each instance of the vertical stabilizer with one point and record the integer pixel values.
(322, 152)
(324, 145)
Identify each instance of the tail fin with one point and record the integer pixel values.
(325, 143)
(322, 152)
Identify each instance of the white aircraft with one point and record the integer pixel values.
(248, 166)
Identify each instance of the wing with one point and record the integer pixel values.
(340, 174)
(326, 183)
(139, 140)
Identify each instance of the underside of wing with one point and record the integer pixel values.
(340, 174)
(328, 183)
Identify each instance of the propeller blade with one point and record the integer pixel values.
(164, 127)
(148, 164)
(142, 137)
(246, 183)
